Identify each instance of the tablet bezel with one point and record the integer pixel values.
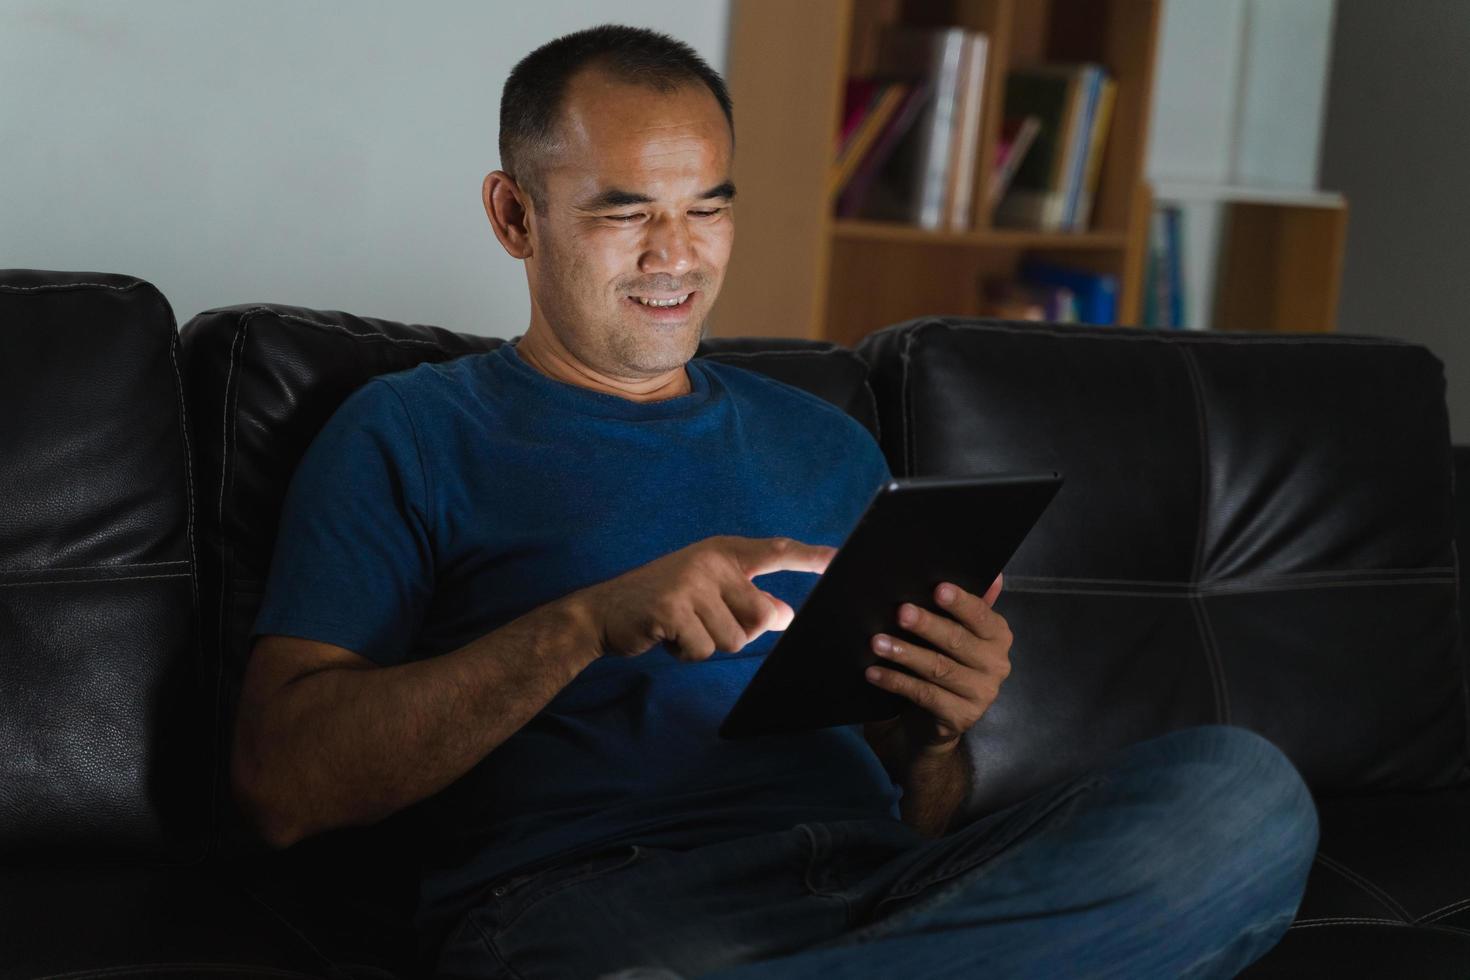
(813, 676)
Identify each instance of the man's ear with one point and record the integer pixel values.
(508, 208)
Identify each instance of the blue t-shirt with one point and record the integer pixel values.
(440, 503)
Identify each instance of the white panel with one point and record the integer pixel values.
(1202, 229)
(1284, 86)
(322, 154)
(1195, 86)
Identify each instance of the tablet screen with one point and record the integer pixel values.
(914, 534)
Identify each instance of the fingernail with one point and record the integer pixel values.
(873, 673)
(883, 643)
(907, 615)
(946, 593)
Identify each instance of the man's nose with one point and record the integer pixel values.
(667, 247)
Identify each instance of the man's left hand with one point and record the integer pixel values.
(953, 681)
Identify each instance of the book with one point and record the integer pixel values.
(858, 97)
(966, 142)
(1096, 293)
(853, 198)
(1097, 142)
(1179, 309)
(912, 184)
(1013, 300)
(1015, 140)
(886, 101)
(1054, 94)
(1164, 303)
(1079, 141)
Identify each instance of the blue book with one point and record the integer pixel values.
(1096, 293)
(1081, 139)
(1174, 218)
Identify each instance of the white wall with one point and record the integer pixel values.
(1398, 146)
(1239, 91)
(322, 154)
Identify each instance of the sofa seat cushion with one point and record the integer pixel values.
(1389, 892)
(1402, 858)
(142, 922)
(1365, 950)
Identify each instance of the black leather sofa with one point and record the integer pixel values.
(1255, 529)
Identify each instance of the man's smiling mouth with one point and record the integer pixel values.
(652, 301)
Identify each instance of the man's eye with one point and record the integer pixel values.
(707, 213)
(624, 217)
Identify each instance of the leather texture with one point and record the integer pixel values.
(103, 728)
(108, 921)
(1254, 530)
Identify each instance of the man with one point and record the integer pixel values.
(513, 596)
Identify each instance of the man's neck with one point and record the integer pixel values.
(551, 359)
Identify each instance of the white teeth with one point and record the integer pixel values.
(662, 302)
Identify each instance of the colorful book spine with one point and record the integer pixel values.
(1096, 293)
(855, 192)
(871, 125)
(1078, 143)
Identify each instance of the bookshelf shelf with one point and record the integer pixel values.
(988, 238)
(797, 271)
(1182, 191)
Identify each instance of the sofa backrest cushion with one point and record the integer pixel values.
(104, 736)
(1253, 530)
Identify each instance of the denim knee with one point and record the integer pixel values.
(1238, 812)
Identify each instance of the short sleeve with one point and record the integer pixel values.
(353, 564)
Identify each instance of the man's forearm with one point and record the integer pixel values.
(934, 788)
(347, 747)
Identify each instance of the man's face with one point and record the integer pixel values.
(637, 210)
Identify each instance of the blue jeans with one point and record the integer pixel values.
(1184, 856)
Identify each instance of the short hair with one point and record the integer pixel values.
(530, 104)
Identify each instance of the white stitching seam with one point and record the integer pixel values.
(1350, 920)
(173, 354)
(905, 360)
(1197, 395)
(376, 337)
(1363, 882)
(1213, 591)
(1173, 338)
(1201, 614)
(237, 345)
(89, 581)
(49, 569)
(72, 285)
(1437, 572)
(1346, 920)
(1441, 913)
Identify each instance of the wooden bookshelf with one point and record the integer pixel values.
(799, 272)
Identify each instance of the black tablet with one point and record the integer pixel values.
(914, 534)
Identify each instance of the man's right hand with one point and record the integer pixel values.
(698, 599)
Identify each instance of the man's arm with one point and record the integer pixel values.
(934, 789)
(949, 688)
(936, 780)
(326, 738)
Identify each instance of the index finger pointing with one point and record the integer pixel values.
(786, 555)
